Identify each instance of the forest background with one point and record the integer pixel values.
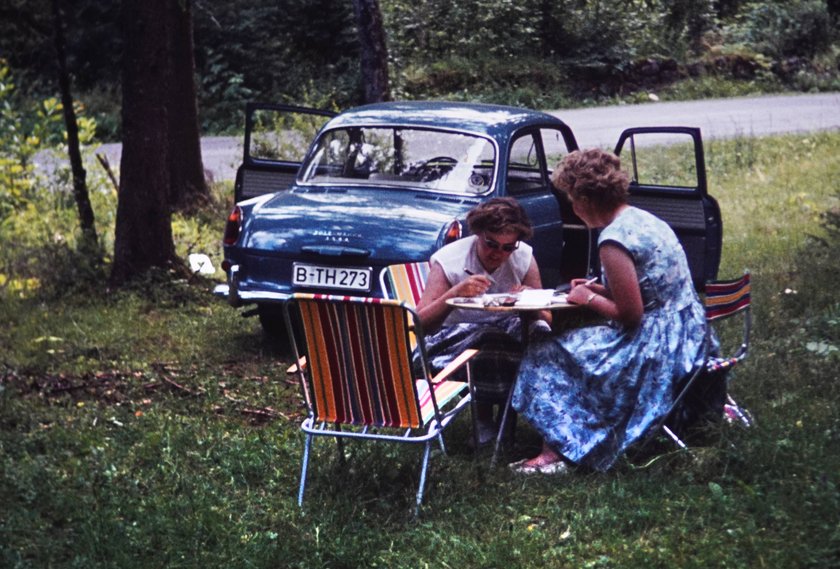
(157, 75)
(544, 54)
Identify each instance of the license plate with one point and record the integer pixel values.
(344, 278)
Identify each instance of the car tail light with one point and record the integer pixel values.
(453, 233)
(233, 226)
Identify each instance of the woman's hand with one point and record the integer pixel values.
(580, 293)
(582, 290)
(432, 308)
(623, 301)
(476, 285)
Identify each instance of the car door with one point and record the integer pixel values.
(277, 138)
(527, 180)
(668, 178)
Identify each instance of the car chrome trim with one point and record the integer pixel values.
(247, 297)
(221, 290)
(233, 281)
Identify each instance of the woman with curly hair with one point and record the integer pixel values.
(593, 391)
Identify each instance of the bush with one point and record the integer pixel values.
(37, 209)
(785, 28)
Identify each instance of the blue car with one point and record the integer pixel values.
(324, 201)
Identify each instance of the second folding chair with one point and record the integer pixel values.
(707, 388)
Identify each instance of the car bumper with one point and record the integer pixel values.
(237, 297)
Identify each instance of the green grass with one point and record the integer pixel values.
(157, 428)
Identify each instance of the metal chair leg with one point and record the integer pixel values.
(307, 445)
(502, 425)
(340, 444)
(426, 452)
(674, 437)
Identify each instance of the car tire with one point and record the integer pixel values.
(274, 325)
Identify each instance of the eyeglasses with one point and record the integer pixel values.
(495, 245)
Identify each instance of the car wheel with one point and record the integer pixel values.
(274, 324)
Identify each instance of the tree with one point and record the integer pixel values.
(374, 52)
(87, 223)
(143, 234)
(187, 185)
(834, 9)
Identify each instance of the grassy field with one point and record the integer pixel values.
(155, 428)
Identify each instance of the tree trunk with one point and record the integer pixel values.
(87, 223)
(834, 9)
(374, 52)
(188, 187)
(143, 235)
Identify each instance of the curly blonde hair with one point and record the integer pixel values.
(594, 175)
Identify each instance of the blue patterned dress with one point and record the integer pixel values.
(593, 391)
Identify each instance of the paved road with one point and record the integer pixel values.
(718, 118)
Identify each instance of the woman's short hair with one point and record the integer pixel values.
(500, 215)
(593, 174)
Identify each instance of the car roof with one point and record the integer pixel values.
(481, 118)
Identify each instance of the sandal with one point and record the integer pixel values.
(549, 469)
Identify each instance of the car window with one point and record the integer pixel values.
(661, 159)
(282, 136)
(554, 146)
(419, 158)
(525, 172)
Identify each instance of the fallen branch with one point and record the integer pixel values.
(180, 387)
(249, 410)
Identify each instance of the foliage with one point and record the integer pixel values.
(532, 52)
(785, 28)
(256, 50)
(152, 426)
(37, 209)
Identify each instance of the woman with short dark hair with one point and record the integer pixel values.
(493, 259)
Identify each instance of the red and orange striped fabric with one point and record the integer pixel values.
(724, 298)
(361, 371)
(407, 282)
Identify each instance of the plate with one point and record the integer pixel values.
(512, 301)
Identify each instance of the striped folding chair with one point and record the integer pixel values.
(406, 283)
(723, 300)
(358, 382)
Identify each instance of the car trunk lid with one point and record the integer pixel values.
(340, 223)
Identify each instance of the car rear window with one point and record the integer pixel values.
(409, 157)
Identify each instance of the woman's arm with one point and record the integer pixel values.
(625, 303)
(432, 308)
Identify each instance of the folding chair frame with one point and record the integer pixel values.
(406, 282)
(723, 299)
(414, 427)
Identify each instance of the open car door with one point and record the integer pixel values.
(668, 178)
(277, 138)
